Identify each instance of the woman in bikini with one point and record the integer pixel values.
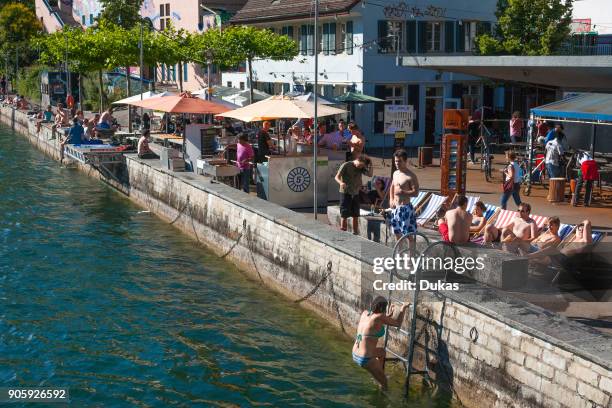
(370, 329)
(478, 219)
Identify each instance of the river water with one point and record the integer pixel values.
(119, 307)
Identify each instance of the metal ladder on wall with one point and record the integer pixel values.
(413, 340)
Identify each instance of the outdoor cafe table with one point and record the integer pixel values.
(166, 139)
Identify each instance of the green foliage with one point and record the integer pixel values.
(28, 83)
(28, 3)
(236, 44)
(18, 24)
(528, 27)
(123, 13)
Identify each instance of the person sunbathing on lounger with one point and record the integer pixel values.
(459, 221)
(520, 232)
(478, 217)
(581, 240)
(548, 240)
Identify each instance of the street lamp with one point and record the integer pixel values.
(208, 56)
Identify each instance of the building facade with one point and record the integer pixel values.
(359, 45)
(181, 14)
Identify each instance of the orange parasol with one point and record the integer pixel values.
(183, 103)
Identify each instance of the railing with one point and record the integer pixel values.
(600, 49)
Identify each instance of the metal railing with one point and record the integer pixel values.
(571, 49)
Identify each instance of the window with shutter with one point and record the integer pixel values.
(459, 37)
(383, 32)
(325, 45)
(411, 36)
(421, 38)
(311, 40)
(304, 39)
(185, 71)
(449, 36)
(348, 43)
(331, 38)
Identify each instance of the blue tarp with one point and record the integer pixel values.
(591, 108)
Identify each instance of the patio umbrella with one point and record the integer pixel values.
(280, 107)
(145, 95)
(225, 103)
(183, 103)
(351, 98)
(309, 97)
(357, 97)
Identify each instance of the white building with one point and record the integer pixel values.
(359, 43)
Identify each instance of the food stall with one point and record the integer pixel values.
(290, 178)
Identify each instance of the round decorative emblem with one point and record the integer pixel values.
(298, 179)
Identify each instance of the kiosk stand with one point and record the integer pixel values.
(453, 152)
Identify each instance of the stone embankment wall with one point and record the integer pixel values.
(496, 350)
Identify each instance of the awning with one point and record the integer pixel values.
(588, 73)
(585, 108)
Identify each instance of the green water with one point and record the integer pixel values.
(119, 307)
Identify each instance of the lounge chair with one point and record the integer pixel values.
(539, 220)
(557, 261)
(418, 201)
(472, 200)
(502, 220)
(472, 203)
(490, 214)
(433, 205)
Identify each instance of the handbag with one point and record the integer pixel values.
(508, 184)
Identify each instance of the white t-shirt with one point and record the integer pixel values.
(553, 152)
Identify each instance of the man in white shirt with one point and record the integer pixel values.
(554, 152)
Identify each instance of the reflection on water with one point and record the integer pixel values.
(105, 299)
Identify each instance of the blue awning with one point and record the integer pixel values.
(587, 108)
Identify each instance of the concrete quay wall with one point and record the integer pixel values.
(497, 351)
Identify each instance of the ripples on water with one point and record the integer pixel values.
(107, 300)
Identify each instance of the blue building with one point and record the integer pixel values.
(360, 43)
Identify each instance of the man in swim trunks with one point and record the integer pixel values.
(518, 235)
(549, 239)
(403, 186)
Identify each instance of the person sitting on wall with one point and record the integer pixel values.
(106, 120)
(370, 329)
(45, 116)
(61, 117)
(75, 136)
(144, 151)
(378, 194)
(459, 222)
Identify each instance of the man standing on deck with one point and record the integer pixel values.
(264, 143)
(403, 186)
(349, 177)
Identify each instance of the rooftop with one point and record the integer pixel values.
(271, 10)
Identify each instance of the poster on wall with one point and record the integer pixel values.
(398, 118)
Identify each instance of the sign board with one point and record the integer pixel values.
(398, 118)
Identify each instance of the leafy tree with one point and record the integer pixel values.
(528, 27)
(28, 3)
(236, 44)
(18, 25)
(124, 13)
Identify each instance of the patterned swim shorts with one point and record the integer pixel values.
(403, 220)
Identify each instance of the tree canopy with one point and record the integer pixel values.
(528, 27)
(124, 13)
(18, 24)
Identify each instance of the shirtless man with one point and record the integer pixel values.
(520, 232)
(459, 222)
(549, 239)
(478, 217)
(579, 242)
(357, 142)
(403, 186)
